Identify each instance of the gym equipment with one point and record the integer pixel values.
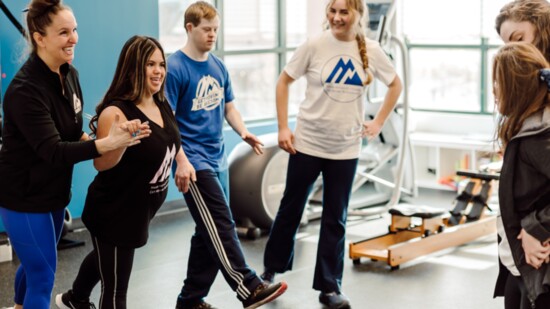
(461, 202)
(479, 202)
(257, 183)
(65, 243)
(407, 241)
(385, 168)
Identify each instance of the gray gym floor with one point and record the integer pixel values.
(461, 277)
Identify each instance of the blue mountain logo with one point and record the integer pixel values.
(344, 73)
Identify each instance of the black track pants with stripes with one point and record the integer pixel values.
(215, 244)
(112, 266)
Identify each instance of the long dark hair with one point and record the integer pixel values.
(39, 17)
(129, 81)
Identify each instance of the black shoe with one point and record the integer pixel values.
(201, 305)
(264, 294)
(268, 276)
(334, 300)
(67, 301)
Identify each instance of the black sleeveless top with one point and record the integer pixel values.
(122, 201)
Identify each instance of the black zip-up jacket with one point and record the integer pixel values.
(42, 129)
(524, 198)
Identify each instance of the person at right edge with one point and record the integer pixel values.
(521, 81)
(520, 21)
(338, 66)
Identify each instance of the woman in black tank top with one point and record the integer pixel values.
(132, 183)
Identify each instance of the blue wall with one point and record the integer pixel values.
(103, 27)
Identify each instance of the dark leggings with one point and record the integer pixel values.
(112, 266)
(515, 296)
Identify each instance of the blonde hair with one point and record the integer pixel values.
(359, 17)
(519, 90)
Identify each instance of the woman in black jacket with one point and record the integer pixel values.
(521, 77)
(42, 140)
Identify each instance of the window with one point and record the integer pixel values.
(450, 53)
(253, 77)
(445, 79)
(250, 24)
(296, 22)
(255, 40)
(172, 34)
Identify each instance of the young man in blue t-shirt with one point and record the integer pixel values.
(199, 89)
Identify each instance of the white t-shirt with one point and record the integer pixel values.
(330, 119)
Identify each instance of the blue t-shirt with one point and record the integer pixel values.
(198, 92)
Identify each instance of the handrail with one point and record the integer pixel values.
(396, 194)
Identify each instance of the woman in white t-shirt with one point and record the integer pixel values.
(338, 65)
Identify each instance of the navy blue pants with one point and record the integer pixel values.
(302, 172)
(34, 238)
(215, 244)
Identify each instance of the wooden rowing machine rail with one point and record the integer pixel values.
(407, 240)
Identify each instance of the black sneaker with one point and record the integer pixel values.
(335, 300)
(268, 276)
(264, 294)
(201, 305)
(67, 301)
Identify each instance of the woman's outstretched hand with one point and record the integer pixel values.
(128, 133)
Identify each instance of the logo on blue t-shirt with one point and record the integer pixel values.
(209, 94)
(341, 80)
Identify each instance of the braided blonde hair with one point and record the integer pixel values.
(359, 13)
